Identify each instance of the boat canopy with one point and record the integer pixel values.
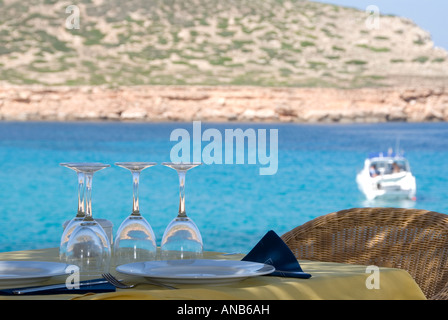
(388, 165)
(385, 155)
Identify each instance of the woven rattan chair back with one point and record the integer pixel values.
(411, 239)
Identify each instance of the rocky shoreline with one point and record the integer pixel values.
(223, 104)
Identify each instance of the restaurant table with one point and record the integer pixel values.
(329, 281)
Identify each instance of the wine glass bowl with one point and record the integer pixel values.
(74, 222)
(182, 238)
(135, 239)
(88, 246)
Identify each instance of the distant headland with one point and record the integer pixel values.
(239, 60)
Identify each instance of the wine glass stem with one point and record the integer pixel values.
(81, 188)
(135, 205)
(182, 212)
(89, 177)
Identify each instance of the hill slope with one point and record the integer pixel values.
(211, 42)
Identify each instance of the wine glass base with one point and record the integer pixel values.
(86, 167)
(135, 166)
(181, 166)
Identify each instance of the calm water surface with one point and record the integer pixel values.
(232, 204)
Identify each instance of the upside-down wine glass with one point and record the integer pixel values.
(181, 239)
(88, 246)
(135, 240)
(71, 225)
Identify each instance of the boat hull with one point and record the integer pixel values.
(400, 185)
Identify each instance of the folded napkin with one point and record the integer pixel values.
(272, 250)
(85, 287)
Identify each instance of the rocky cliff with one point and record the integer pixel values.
(233, 103)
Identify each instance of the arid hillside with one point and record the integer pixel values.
(273, 43)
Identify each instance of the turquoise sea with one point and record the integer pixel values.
(232, 204)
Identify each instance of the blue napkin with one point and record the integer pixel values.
(84, 288)
(272, 250)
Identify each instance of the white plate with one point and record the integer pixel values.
(199, 271)
(15, 273)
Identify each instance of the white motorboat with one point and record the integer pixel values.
(386, 176)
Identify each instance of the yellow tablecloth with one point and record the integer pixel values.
(329, 281)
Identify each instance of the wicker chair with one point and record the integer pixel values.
(411, 239)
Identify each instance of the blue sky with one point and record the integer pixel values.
(430, 15)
